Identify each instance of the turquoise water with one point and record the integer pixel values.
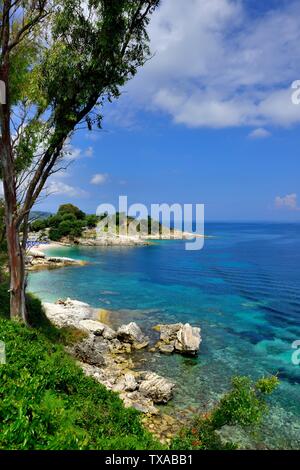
(243, 290)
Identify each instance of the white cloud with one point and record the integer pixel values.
(216, 66)
(1, 189)
(99, 178)
(71, 152)
(287, 202)
(89, 152)
(58, 188)
(259, 133)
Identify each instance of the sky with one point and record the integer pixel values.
(208, 120)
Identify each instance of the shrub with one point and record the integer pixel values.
(46, 402)
(38, 225)
(244, 405)
(91, 221)
(54, 234)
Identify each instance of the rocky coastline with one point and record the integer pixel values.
(105, 354)
(37, 259)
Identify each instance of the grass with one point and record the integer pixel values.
(46, 402)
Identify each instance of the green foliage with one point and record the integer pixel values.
(54, 234)
(70, 209)
(244, 405)
(38, 225)
(201, 436)
(46, 402)
(91, 221)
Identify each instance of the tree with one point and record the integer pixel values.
(70, 209)
(60, 62)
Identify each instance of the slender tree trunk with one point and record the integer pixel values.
(14, 248)
(17, 273)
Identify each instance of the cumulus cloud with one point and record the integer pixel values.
(217, 66)
(287, 202)
(58, 188)
(259, 133)
(99, 178)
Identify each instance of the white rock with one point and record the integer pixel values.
(131, 333)
(153, 386)
(188, 339)
(93, 326)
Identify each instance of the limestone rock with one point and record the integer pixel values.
(139, 402)
(183, 339)
(188, 340)
(130, 384)
(88, 352)
(153, 386)
(166, 348)
(132, 334)
(92, 326)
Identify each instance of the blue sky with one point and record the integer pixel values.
(208, 120)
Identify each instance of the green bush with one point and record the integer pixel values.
(91, 221)
(245, 405)
(46, 402)
(38, 225)
(54, 234)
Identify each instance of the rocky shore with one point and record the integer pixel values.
(105, 354)
(37, 259)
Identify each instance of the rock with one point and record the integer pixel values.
(130, 384)
(36, 253)
(188, 340)
(88, 352)
(153, 386)
(132, 334)
(92, 326)
(183, 339)
(139, 402)
(116, 347)
(141, 345)
(109, 333)
(168, 333)
(127, 383)
(166, 348)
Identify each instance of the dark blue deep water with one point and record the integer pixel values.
(242, 288)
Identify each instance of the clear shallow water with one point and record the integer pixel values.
(243, 289)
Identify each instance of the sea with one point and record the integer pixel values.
(242, 289)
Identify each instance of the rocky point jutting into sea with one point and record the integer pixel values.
(105, 354)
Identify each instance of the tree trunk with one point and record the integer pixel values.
(17, 273)
(15, 251)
